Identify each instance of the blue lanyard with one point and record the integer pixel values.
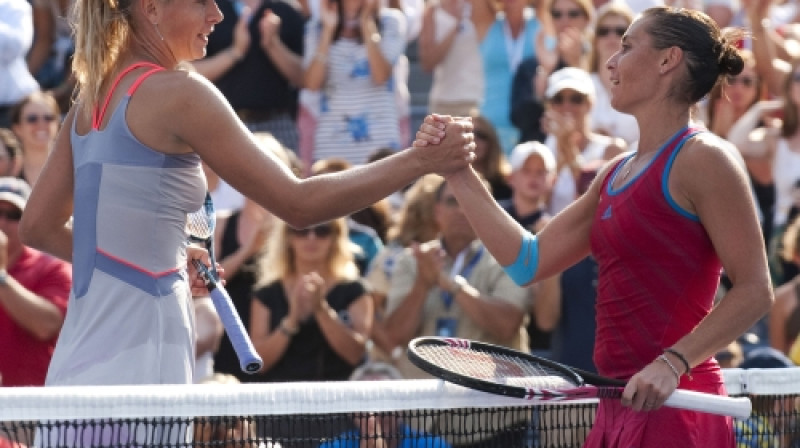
(447, 297)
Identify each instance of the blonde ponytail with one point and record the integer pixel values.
(100, 29)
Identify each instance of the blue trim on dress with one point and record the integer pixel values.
(84, 233)
(665, 181)
(610, 187)
(153, 284)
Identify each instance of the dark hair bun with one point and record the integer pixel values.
(730, 61)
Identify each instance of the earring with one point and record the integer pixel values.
(158, 31)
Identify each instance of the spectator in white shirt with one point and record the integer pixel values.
(16, 37)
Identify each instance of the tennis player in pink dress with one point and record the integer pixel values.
(662, 222)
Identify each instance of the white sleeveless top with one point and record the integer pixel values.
(564, 189)
(459, 76)
(786, 171)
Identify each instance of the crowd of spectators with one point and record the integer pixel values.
(324, 84)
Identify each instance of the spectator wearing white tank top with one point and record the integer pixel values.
(448, 47)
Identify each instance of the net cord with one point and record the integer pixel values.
(88, 402)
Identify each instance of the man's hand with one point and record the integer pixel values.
(430, 259)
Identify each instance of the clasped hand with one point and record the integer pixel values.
(454, 141)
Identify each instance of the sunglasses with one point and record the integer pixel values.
(11, 215)
(576, 99)
(33, 118)
(322, 231)
(603, 31)
(571, 13)
(746, 81)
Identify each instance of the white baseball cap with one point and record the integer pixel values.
(521, 153)
(569, 78)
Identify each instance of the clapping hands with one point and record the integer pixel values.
(430, 261)
(241, 35)
(329, 15)
(270, 27)
(306, 297)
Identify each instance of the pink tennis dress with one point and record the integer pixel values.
(658, 274)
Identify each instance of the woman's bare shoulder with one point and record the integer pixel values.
(180, 83)
(707, 159)
(183, 94)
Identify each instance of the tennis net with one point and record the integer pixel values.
(408, 413)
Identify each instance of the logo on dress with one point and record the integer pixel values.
(607, 213)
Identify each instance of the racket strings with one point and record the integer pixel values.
(200, 227)
(197, 225)
(201, 223)
(496, 367)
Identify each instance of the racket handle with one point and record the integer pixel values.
(249, 360)
(738, 407)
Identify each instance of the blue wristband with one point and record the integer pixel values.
(523, 270)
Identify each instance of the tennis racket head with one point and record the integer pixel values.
(490, 368)
(199, 224)
(200, 227)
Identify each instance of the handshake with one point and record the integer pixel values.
(453, 141)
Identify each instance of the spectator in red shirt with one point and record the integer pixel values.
(34, 288)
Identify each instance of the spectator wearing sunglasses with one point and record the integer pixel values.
(35, 120)
(365, 239)
(569, 99)
(452, 287)
(34, 289)
(563, 39)
(414, 224)
(613, 20)
(312, 314)
(561, 42)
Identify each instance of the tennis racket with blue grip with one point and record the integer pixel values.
(200, 227)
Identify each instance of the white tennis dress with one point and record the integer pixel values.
(130, 318)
